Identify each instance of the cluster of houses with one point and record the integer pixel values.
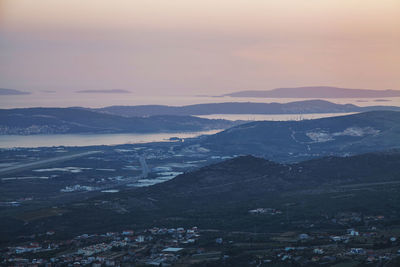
(325, 249)
(167, 246)
(101, 247)
(77, 187)
(268, 211)
(155, 246)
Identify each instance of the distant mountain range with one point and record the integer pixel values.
(297, 140)
(298, 107)
(71, 120)
(317, 92)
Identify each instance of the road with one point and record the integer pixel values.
(44, 162)
(145, 168)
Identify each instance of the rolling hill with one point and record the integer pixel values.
(297, 140)
(70, 120)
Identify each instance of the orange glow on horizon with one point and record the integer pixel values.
(215, 45)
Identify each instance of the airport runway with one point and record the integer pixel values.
(44, 162)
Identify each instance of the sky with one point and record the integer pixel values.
(187, 47)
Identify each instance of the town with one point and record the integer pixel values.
(160, 246)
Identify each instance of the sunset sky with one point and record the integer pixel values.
(198, 47)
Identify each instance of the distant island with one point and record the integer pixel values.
(4, 91)
(316, 92)
(297, 107)
(112, 91)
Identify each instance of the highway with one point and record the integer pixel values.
(44, 162)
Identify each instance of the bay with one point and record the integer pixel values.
(50, 140)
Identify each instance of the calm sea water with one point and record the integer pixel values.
(49, 140)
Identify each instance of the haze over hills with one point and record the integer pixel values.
(295, 140)
(70, 120)
(317, 92)
(298, 107)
